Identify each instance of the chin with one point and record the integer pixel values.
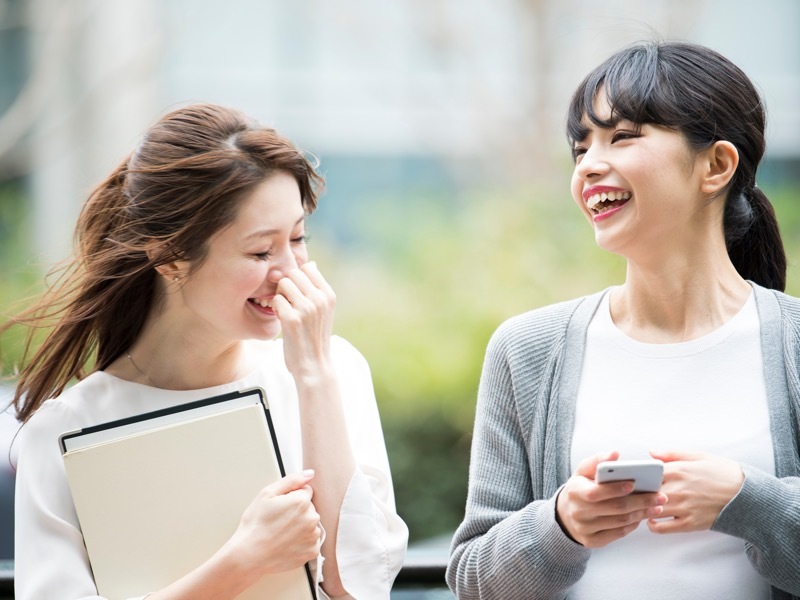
(609, 245)
(263, 334)
(266, 337)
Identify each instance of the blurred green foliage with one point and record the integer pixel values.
(420, 295)
(19, 277)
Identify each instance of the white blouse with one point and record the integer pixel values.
(50, 557)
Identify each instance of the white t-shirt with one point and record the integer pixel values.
(703, 395)
(50, 558)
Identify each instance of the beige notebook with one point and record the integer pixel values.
(158, 494)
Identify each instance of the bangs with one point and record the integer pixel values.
(636, 84)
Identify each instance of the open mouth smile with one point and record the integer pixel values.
(262, 302)
(601, 202)
(262, 305)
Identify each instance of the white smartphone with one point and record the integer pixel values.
(646, 474)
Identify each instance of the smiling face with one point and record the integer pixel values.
(229, 295)
(638, 185)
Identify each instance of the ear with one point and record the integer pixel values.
(719, 163)
(172, 271)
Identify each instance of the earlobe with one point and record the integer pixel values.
(722, 158)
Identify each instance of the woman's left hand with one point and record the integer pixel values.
(699, 486)
(305, 303)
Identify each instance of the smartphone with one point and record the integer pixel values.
(646, 474)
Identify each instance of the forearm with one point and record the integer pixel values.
(327, 450)
(221, 577)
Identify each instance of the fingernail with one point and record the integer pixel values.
(627, 488)
(308, 473)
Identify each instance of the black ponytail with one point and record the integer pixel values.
(753, 239)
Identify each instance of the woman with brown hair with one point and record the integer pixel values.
(191, 259)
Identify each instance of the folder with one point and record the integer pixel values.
(159, 493)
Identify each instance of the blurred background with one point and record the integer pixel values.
(439, 127)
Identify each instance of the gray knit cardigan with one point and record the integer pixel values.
(510, 547)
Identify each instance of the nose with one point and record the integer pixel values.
(592, 164)
(281, 264)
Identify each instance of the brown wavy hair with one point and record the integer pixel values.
(182, 184)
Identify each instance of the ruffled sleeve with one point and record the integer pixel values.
(372, 538)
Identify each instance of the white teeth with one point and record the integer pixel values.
(596, 199)
(263, 303)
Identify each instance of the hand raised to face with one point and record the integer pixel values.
(305, 304)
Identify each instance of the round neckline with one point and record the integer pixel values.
(605, 325)
(235, 383)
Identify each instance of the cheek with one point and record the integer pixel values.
(250, 276)
(576, 187)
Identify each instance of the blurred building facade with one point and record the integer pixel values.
(402, 94)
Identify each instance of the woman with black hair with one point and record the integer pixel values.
(692, 360)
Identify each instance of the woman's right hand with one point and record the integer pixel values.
(594, 515)
(280, 530)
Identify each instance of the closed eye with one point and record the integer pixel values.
(624, 135)
(578, 151)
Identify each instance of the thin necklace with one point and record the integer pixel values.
(135, 366)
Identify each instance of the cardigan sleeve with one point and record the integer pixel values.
(509, 545)
(766, 515)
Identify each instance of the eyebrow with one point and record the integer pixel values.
(269, 232)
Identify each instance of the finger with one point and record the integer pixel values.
(675, 455)
(303, 296)
(281, 305)
(605, 537)
(290, 483)
(602, 492)
(303, 494)
(616, 521)
(290, 288)
(301, 279)
(625, 502)
(602, 537)
(588, 466)
(313, 273)
(312, 285)
(665, 525)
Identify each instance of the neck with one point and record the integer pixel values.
(677, 300)
(180, 358)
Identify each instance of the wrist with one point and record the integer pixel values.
(320, 375)
(559, 520)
